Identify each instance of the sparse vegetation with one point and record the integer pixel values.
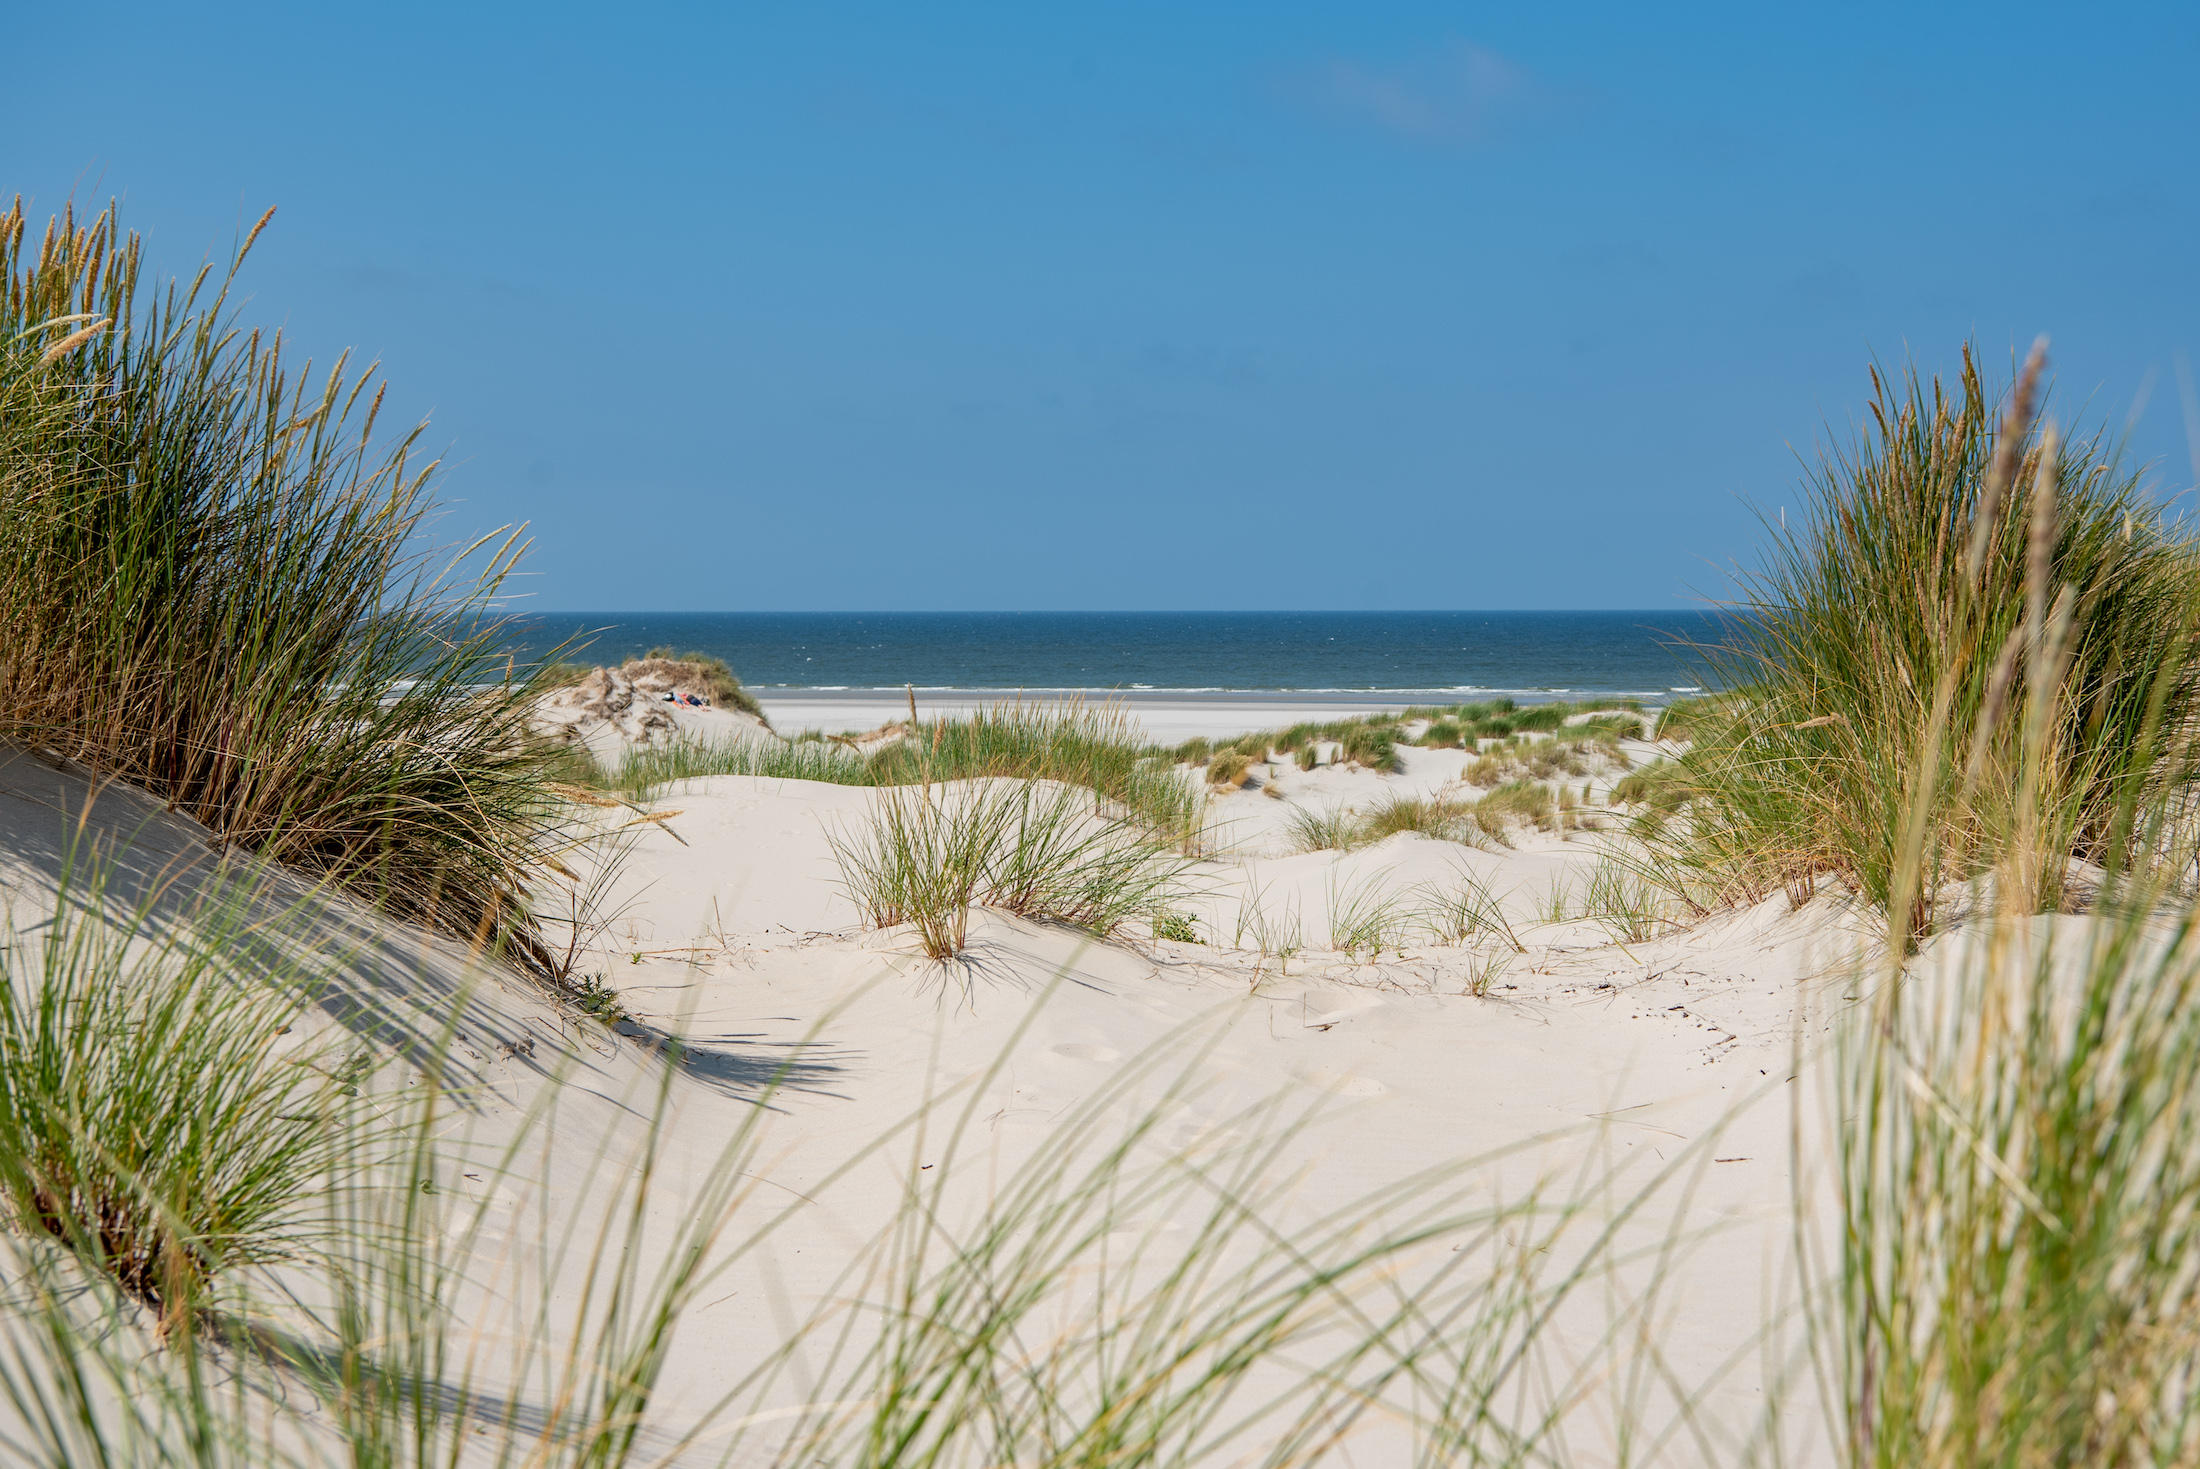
(1464, 910)
(1332, 829)
(922, 858)
(1365, 919)
(1447, 821)
(1073, 743)
(649, 769)
(929, 853)
(1228, 768)
(1077, 743)
(1516, 802)
(1626, 901)
(1058, 861)
(1971, 670)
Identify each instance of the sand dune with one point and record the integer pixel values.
(1588, 1067)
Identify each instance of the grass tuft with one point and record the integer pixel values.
(215, 584)
(145, 1122)
(1039, 850)
(1973, 618)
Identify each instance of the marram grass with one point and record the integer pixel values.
(1974, 623)
(213, 584)
(146, 1121)
(928, 853)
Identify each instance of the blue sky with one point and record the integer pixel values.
(1149, 306)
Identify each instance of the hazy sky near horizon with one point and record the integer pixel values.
(1278, 305)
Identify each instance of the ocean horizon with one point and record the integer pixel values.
(1643, 653)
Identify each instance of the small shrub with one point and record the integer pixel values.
(593, 995)
(1176, 927)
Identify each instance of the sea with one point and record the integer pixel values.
(1528, 656)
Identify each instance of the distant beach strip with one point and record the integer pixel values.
(1327, 660)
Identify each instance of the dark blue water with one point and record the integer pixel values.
(1465, 652)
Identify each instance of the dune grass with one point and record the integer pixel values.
(2020, 1196)
(145, 1121)
(927, 854)
(1482, 823)
(2011, 1282)
(1983, 602)
(1973, 665)
(1325, 829)
(1071, 742)
(356, 1352)
(649, 769)
(1464, 910)
(214, 584)
(1229, 768)
(1372, 740)
(1433, 816)
(1094, 745)
(1517, 803)
(1365, 918)
(2019, 1154)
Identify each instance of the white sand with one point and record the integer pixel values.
(1589, 1066)
(1169, 717)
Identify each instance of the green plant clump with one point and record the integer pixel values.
(144, 1123)
(1174, 926)
(214, 584)
(929, 853)
(1983, 623)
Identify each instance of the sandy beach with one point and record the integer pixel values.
(1167, 716)
(1584, 1072)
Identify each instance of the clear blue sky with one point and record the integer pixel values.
(1148, 306)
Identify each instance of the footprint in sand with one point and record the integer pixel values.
(1079, 1051)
